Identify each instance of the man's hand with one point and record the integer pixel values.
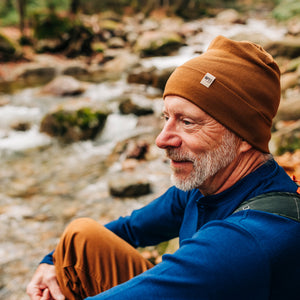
(44, 285)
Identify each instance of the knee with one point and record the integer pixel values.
(83, 228)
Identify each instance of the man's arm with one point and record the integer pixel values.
(43, 285)
(222, 261)
(156, 222)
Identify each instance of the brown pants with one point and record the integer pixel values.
(90, 259)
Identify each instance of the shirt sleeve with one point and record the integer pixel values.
(158, 221)
(221, 261)
(48, 259)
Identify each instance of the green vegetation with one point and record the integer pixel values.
(14, 12)
(83, 118)
(72, 126)
(287, 9)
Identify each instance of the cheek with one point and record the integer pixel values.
(200, 143)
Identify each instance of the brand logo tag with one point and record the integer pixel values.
(207, 80)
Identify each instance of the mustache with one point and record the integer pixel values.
(177, 155)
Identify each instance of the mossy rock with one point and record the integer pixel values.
(158, 43)
(73, 126)
(56, 34)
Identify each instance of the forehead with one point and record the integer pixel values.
(179, 105)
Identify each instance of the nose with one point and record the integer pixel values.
(168, 137)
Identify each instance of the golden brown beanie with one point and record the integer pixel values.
(237, 83)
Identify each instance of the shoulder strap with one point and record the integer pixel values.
(278, 203)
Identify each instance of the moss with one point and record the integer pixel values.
(73, 126)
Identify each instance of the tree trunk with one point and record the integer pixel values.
(74, 6)
(22, 14)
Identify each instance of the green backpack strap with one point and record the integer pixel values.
(279, 203)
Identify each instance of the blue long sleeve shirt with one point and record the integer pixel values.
(245, 255)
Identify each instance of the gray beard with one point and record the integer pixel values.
(206, 164)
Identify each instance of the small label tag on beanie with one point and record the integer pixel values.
(207, 80)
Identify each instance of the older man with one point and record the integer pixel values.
(218, 111)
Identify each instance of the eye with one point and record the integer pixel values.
(187, 122)
(164, 117)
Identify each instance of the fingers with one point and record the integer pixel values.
(55, 291)
(46, 295)
(44, 285)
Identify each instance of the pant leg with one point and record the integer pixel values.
(90, 259)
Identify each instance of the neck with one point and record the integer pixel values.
(244, 164)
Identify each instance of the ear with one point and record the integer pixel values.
(244, 146)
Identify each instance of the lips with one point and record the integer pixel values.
(180, 163)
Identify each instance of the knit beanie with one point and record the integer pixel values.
(236, 83)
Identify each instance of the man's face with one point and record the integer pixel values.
(197, 145)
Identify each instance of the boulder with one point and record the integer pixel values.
(288, 47)
(158, 43)
(74, 125)
(64, 86)
(36, 74)
(128, 107)
(128, 186)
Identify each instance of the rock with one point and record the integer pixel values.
(137, 150)
(73, 126)
(141, 76)
(288, 80)
(75, 71)
(127, 186)
(230, 16)
(118, 61)
(36, 74)
(64, 86)
(116, 42)
(150, 76)
(158, 43)
(286, 139)
(128, 107)
(9, 50)
(23, 126)
(288, 110)
(288, 47)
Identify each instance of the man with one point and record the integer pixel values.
(218, 111)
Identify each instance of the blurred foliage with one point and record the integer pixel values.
(50, 25)
(9, 9)
(290, 144)
(287, 9)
